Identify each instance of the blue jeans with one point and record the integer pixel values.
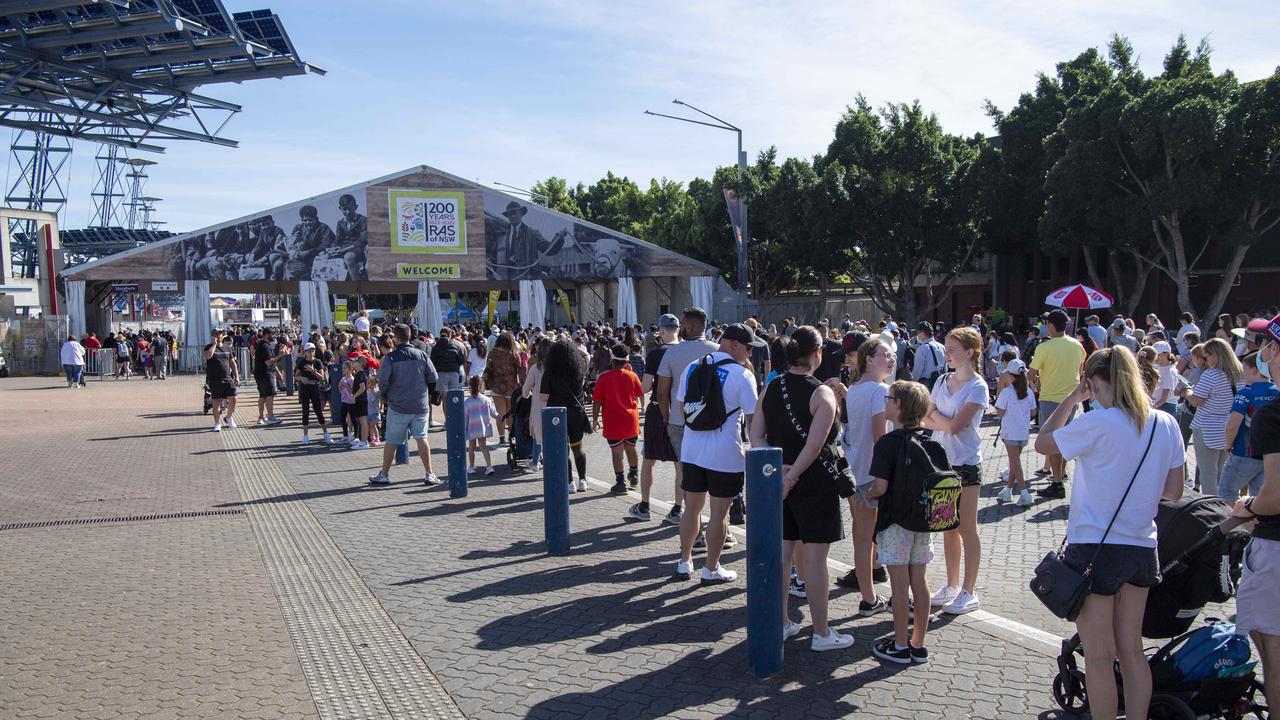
(73, 373)
(536, 454)
(1239, 472)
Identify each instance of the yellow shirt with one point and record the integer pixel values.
(1058, 361)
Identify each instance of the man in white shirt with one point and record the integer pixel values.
(1097, 333)
(930, 361)
(72, 357)
(1188, 326)
(714, 461)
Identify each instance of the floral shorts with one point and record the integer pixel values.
(895, 545)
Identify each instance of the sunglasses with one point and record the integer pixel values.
(890, 397)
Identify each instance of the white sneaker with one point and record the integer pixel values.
(717, 576)
(1004, 475)
(582, 486)
(305, 439)
(359, 445)
(533, 466)
(327, 440)
(965, 602)
(231, 422)
(790, 630)
(217, 427)
(1006, 495)
(344, 439)
(431, 479)
(379, 478)
(471, 470)
(944, 596)
(1025, 499)
(489, 470)
(831, 641)
(274, 421)
(684, 570)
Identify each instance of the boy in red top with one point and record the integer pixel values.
(618, 391)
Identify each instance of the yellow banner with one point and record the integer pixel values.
(493, 304)
(340, 310)
(564, 303)
(428, 271)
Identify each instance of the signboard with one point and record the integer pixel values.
(427, 221)
(428, 271)
(164, 286)
(340, 310)
(124, 288)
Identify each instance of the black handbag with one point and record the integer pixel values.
(1057, 585)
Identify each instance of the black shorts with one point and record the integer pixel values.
(970, 475)
(221, 389)
(358, 409)
(811, 511)
(657, 443)
(1116, 565)
(266, 385)
(625, 441)
(719, 484)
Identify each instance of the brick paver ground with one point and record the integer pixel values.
(508, 630)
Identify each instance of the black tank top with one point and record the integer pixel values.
(781, 429)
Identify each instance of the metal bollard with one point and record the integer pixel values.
(555, 480)
(764, 561)
(335, 396)
(456, 441)
(288, 374)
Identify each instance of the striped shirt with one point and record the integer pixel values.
(1214, 386)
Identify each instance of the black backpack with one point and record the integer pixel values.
(938, 366)
(934, 491)
(704, 396)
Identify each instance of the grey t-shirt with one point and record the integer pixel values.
(677, 359)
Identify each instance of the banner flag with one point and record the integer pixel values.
(493, 304)
(564, 303)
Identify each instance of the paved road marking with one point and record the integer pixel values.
(357, 662)
(1026, 636)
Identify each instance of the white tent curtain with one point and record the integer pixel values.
(313, 297)
(75, 307)
(533, 303)
(430, 310)
(626, 312)
(195, 313)
(702, 288)
(324, 310)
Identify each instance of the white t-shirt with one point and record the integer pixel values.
(477, 363)
(723, 449)
(1106, 447)
(362, 324)
(865, 400)
(1015, 426)
(966, 447)
(1167, 384)
(1000, 364)
(72, 353)
(1182, 334)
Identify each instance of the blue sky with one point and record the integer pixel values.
(515, 92)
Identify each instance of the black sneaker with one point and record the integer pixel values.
(867, 609)
(919, 655)
(737, 512)
(1053, 491)
(638, 513)
(633, 478)
(886, 651)
(880, 575)
(619, 488)
(848, 580)
(673, 517)
(700, 542)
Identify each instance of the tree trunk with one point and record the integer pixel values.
(1094, 278)
(1228, 280)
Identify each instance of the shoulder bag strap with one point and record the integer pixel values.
(1116, 514)
(800, 429)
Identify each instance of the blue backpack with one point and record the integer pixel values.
(1212, 651)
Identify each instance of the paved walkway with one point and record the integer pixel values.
(313, 595)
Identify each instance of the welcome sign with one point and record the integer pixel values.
(427, 221)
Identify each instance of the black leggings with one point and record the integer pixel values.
(309, 396)
(577, 428)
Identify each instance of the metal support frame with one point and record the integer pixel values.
(108, 189)
(41, 163)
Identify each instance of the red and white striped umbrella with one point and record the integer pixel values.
(1078, 297)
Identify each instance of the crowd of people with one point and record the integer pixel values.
(144, 353)
(881, 418)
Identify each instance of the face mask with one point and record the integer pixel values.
(1263, 367)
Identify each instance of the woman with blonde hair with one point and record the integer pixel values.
(1212, 397)
(1128, 457)
(959, 400)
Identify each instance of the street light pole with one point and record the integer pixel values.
(745, 245)
(546, 201)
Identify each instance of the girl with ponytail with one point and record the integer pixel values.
(1128, 457)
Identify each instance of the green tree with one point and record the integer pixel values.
(559, 195)
(1163, 169)
(897, 196)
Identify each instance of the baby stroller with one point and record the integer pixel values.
(208, 399)
(521, 447)
(1200, 553)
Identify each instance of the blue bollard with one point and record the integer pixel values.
(288, 374)
(764, 560)
(555, 480)
(335, 397)
(456, 441)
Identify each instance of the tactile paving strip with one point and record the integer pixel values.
(356, 661)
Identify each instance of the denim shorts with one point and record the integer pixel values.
(1116, 565)
(1239, 472)
(863, 492)
(1256, 606)
(401, 426)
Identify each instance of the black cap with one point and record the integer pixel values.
(619, 352)
(851, 342)
(741, 333)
